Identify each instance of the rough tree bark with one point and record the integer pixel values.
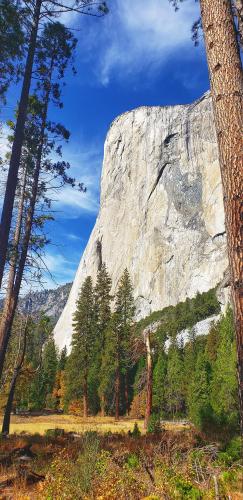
(149, 388)
(238, 11)
(225, 70)
(17, 144)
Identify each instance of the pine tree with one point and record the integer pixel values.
(49, 368)
(83, 340)
(102, 302)
(102, 317)
(11, 43)
(159, 383)
(108, 369)
(199, 407)
(53, 54)
(125, 310)
(62, 359)
(33, 20)
(224, 382)
(174, 380)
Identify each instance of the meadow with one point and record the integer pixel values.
(72, 423)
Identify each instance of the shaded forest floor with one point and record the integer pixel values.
(179, 463)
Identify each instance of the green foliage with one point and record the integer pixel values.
(133, 461)
(62, 359)
(224, 396)
(186, 314)
(83, 341)
(117, 342)
(102, 302)
(186, 490)
(198, 401)
(49, 365)
(11, 43)
(73, 479)
(154, 425)
(159, 383)
(136, 431)
(232, 452)
(174, 381)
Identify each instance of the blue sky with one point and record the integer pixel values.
(141, 53)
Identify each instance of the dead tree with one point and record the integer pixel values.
(149, 381)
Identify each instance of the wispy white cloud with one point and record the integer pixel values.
(74, 237)
(85, 161)
(59, 270)
(138, 36)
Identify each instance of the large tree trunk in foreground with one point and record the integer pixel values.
(149, 389)
(225, 70)
(17, 144)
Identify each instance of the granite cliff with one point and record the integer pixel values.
(161, 209)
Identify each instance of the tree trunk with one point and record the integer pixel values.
(117, 393)
(149, 389)
(126, 394)
(17, 369)
(85, 399)
(238, 12)
(102, 405)
(17, 144)
(226, 81)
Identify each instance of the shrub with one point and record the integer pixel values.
(136, 431)
(73, 479)
(133, 461)
(138, 405)
(75, 407)
(154, 426)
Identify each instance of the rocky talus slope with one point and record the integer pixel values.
(161, 210)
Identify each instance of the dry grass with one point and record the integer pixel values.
(71, 423)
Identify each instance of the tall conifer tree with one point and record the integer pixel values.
(82, 342)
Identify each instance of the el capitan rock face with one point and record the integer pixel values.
(161, 211)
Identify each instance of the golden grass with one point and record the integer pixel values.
(73, 423)
(70, 423)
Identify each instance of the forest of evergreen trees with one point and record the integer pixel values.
(106, 370)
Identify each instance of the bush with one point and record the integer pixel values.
(138, 405)
(73, 479)
(186, 490)
(136, 431)
(154, 425)
(133, 461)
(231, 453)
(75, 407)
